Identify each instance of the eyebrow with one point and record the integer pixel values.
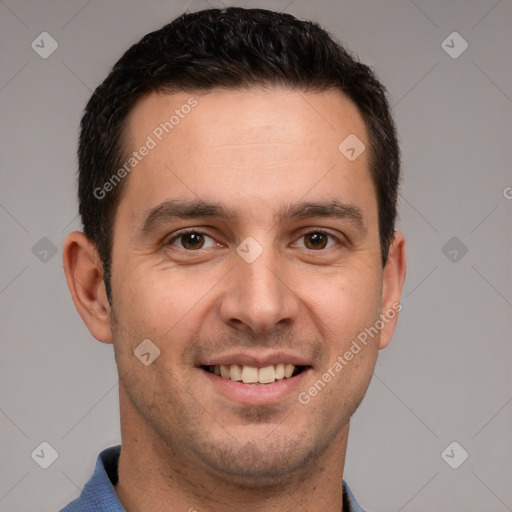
(329, 209)
(171, 210)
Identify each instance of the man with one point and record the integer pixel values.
(238, 175)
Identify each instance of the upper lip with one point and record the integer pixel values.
(260, 360)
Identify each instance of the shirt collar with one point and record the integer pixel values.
(99, 494)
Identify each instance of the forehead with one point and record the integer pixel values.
(238, 145)
(250, 116)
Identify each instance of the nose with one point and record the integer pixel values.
(258, 298)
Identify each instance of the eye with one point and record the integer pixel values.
(192, 241)
(318, 240)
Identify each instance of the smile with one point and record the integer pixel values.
(254, 375)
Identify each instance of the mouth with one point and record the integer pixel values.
(255, 379)
(255, 375)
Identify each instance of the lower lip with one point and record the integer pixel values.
(256, 394)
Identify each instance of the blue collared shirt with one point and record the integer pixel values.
(99, 495)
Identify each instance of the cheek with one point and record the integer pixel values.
(156, 301)
(349, 386)
(344, 302)
(345, 306)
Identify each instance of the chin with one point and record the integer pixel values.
(266, 464)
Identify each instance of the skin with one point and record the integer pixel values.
(184, 443)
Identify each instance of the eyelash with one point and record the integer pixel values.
(192, 230)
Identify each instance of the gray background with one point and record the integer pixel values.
(447, 374)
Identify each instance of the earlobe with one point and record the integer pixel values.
(84, 275)
(393, 282)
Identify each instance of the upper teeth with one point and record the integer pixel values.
(253, 375)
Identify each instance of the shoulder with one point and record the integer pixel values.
(98, 493)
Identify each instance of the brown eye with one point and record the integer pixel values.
(316, 240)
(191, 241)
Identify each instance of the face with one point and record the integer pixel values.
(246, 247)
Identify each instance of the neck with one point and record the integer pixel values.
(153, 475)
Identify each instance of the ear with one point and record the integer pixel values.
(393, 282)
(84, 275)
